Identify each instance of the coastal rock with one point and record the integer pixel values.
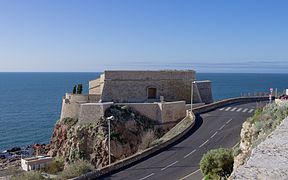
(73, 141)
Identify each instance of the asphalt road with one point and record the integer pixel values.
(217, 128)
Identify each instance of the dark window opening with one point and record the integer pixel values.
(152, 93)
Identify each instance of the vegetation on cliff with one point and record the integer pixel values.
(130, 132)
(257, 128)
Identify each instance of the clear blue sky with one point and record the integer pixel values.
(208, 36)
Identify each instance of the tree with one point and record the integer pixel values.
(79, 89)
(217, 163)
(74, 89)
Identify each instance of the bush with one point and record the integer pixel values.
(30, 175)
(76, 169)
(70, 121)
(217, 163)
(54, 167)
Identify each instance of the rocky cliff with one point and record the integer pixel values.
(130, 132)
(257, 130)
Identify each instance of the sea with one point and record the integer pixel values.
(30, 103)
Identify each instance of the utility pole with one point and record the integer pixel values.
(109, 133)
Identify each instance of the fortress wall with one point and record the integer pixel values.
(131, 86)
(71, 104)
(144, 75)
(173, 111)
(92, 112)
(69, 109)
(136, 91)
(162, 112)
(205, 91)
(94, 98)
(76, 97)
(150, 110)
(95, 86)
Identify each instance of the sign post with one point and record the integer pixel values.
(270, 95)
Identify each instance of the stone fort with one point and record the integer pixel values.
(159, 95)
(149, 86)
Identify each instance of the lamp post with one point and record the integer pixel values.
(193, 82)
(109, 132)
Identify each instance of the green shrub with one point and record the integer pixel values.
(30, 175)
(212, 176)
(69, 121)
(217, 162)
(54, 167)
(76, 169)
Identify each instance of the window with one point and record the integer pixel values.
(152, 92)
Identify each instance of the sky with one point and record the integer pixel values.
(239, 36)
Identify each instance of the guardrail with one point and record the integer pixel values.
(215, 105)
(169, 138)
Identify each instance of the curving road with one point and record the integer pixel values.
(218, 128)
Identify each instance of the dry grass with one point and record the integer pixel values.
(76, 169)
(147, 138)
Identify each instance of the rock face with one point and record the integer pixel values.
(269, 160)
(72, 141)
(245, 144)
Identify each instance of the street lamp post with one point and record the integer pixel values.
(109, 133)
(193, 82)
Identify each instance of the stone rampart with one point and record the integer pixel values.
(150, 110)
(172, 111)
(150, 75)
(134, 86)
(205, 91)
(162, 112)
(71, 104)
(92, 112)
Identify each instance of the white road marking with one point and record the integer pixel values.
(147, 176)
(228, 121)
(222, 127)
(239, 110)
(245, 110)
(190, 153)
(227, 109)
(189, 175)
(233, 109)
(214, 134)
(203, 144)
(169, 165)
(221, 109)
(251, 110)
